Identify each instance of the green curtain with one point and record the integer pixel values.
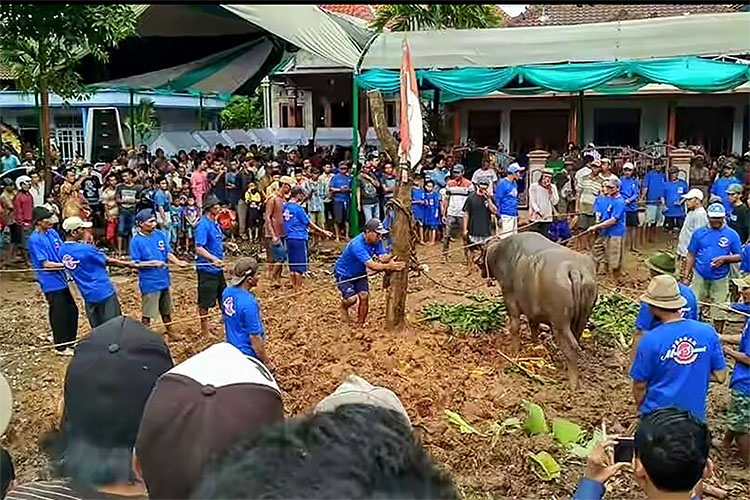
(617, 77)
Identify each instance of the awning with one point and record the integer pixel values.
(172, 142)
(333, 136)
(705, 34)
(237, 137)
(210, 137)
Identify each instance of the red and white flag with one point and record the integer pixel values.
(410, 149)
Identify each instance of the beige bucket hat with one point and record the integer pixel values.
(663, 292)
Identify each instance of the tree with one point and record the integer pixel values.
(415, 17)
(243, 112)
(144, 121)
(41, 45)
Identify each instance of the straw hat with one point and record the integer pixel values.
(664, 293)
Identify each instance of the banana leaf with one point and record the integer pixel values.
(463, 426)
(566, 432)
(544, 466)
(535, 422)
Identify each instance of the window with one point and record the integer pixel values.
(290, 119)
(69, 142)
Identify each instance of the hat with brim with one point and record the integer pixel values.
(211, 201)
(243, 269)
(664, 292)
(376, 226)
(144, 215)
(40, 213)
(693, 194)
(75, 222)
(285, 179)
(662, 262)
(716, 211)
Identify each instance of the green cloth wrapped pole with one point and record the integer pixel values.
(354, 226)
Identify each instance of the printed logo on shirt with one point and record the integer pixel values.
(287, 215)
(683, 351)
(723, 242)
(679, 190)
(69, 262)
(57, 244)
(228, 305)
(514, 193)
(161, 246)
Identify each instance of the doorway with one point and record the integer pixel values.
(532, 129)
(617, 126)
(484, 127)
(710, 127)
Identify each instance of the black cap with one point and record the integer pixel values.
(211, 200)
(109, 379)
(39, 213)
(296, 191)
(376, 226)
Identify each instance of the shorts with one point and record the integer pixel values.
(631, 219)
(340, 211)
(278, 252)
(111, 231)
(126, 222)
(254, 217)
(297, 250)
(25, 233)
(156, 303)
(609, 249)
(673, 222)
(318, 218)
(713, 291)
(654, 215)
(350, 287)
(328, 210)
(210, 288)
(738, 416)
(507, 225)
(585, 221)
(101, 312)
(16, 234)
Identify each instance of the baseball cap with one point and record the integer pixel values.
(285, 179)
(376, 226)
(22, 179)
(612, 183)
(734, 189)
(514, 168)
(243, 268)
(211, 201)
(627, 166)
(6, 404)
(296, 191)
(458, 169)
(693, 194)
(596, 163)
(109, 379)
(75, 222)
(198, 408)
(144, 215)
(40, 213)
(716, 210)
(356, 390)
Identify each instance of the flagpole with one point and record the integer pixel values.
(354, 226)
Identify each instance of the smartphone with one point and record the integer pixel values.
(624, 449)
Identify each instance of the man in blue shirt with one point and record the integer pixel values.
(661, 263)
(609, 246)
(44, 251)
(296, 224)
(630, 189)
(209, 260)
(241, 312)
(506, 201)
(653, 192)
(721, 185)
(363, 253)
(675, 361)
(150, 249)
(440, 172)
(670, 458)
(340, 189)
(674, 209)
(9, 161)
(88, 267)
(738, 416)
(710, 252)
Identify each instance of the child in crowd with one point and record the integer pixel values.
(254, 202)
(227, 220)
(418, 205)
(175, 213)
(432, 211)
(191, 216)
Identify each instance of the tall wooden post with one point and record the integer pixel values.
(395, 313)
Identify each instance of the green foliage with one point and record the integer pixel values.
(144, 120)
(463, 426)
(243, 112)
(584, 450)
(616, 316)
(467, 318)
(565, 431)
(544, 466)
(415, 17)
(535, 422)
(40, 44)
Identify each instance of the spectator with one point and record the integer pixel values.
(276, 236)
(191, 217)
(111, 210)
(543, 197)
(199, 183)
(721, 185)
(739, 217)
(107, 383)
(163, 205)
(340, 190)
(7, 472)
(431, 212)
(589, 187)
(23, 204)
(609, 246)
(506, 201)
(696, 218)
(253, 200)
(37, 188)
(653, 192)
(454, 196)
(325, 179)
(197, 409)
(630, 189)
(368, 192)
(9, 160)
(418, 205)
(478, 211)
(674, 210)
(127, 196)
(486, 174)
(318, 192)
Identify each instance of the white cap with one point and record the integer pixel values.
(22, 179)
(693, 194)
(75, 222)
(627, 166)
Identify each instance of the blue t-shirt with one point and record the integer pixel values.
(46, 247)
(740, 379)
(209, 236)
(719, 188)
(646, 321)
(295, 221)
(675, 360)
(152, 247)
(673, 192)
(88, 267)
(439, 177)
(339, 181)
(432, 208)
(506, 198)
(241, 314)
(9, 163)
(707, 243)
(161, 200)
(630, 189)
(417, 203)
(745, 263)
(351, 262)
(653, 181)
(607, 207)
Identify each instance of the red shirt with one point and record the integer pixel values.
(23, 203)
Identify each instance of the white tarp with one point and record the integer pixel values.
(372, 137)
(306, 26)
(172, 142)
(210, 137)
(238, 137)
(704, 34)
(333, 136)
(290, 137)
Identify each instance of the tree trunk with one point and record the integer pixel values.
(395, 302)
(46, 138)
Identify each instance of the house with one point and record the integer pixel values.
(312, 93)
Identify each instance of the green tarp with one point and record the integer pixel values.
(687, 73)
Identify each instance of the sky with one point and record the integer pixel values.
(513, 9)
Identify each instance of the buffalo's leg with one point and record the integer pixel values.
(568, 345)
(534, 329)
(514, 316)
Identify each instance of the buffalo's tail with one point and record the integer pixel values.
(584, 291)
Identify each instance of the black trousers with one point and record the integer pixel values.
(63, 317)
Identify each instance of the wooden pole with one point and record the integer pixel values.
(395, 314)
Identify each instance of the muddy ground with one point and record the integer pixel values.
(430, 369)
